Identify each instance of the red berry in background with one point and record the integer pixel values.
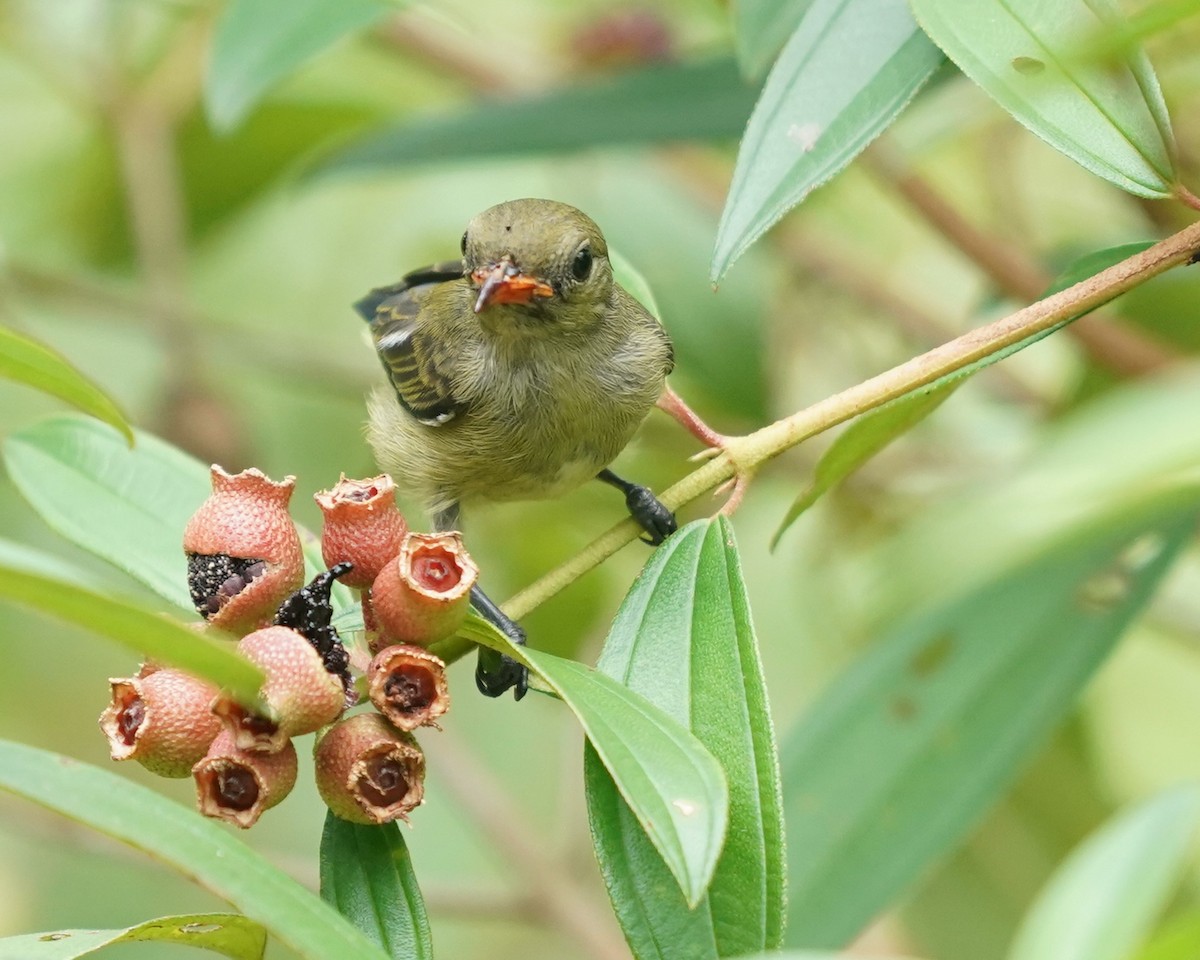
(368, 771)
(300, 694)
(423, 595)
(408, 686)
(237, 785)
(243, 550)
(363, 526)
(161, 719)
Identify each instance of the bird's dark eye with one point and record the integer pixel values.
(463, 245)
(581, 266)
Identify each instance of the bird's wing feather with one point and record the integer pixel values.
(419, 367)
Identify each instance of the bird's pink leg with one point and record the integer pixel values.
(716, 443)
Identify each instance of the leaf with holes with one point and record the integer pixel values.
(229, 934)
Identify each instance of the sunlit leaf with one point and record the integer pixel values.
(674, 786)
(229, 934)
(1176, 941)
(142, 631)
(1103, 901)
(864, 438)
(259, 42)
(846, 73)
(684, 639)
(200, 849)
(32, 363)
(940, 712)
(367, 876)
(694, 100)
(1110, 118)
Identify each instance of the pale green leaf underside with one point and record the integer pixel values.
(845, 74)
(1109, 118)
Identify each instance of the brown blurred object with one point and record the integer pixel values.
(623, 38)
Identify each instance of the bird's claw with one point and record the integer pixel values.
(496, 674)
(735, 487)
(651, 514)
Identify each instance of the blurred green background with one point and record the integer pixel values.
(204, 279)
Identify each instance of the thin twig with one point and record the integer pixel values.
(752, 450)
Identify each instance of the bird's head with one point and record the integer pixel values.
(544, 258)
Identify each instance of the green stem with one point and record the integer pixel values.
(756, 448)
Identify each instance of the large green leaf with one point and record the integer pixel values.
(367, 876)
(230, 934)
(683, 639)
(198, 848)
(940, 712)
(1103, 901)
(259, 42)
(1108, 117)
(35, 364)
(848, 70)
(694, 100)
(127, 506)
(1177, 941)
(674, 786)
(762, 27)
(142, 631)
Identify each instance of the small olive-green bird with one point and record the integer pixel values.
(517, 373)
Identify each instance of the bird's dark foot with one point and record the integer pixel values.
(495, 672)
(650, 513)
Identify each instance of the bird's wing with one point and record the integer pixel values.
(419, 367)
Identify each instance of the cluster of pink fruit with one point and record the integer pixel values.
(246, 576)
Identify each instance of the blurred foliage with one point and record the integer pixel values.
(203, 278)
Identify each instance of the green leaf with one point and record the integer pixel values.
(142, 631)
(29, 362)
(846, 73)
(1109, 118)
(1095, 262)
(229, 934)
(259, 42)
(813, 955)
(198, 848)
(19, 556)
(367, 876)
(1177, 940)
(941, 711)
(683, 639)
(1103, 901)
(761, 28)
(629, 277)
(674, 786)
(864, 438)
(127, 506)
(695, 100)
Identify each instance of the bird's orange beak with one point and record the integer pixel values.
(504, 283)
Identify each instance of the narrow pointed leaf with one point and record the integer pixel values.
(367, 876)
(761, 28)
(674, 786)
(684, 639)
(940, 713)
(1108, 117)
(846, 73)
(27, 361)
(228, 934)
(694, 100)
(259, 42)
(183, 840)
(864, 438)
(142, 631)
(1104, 900)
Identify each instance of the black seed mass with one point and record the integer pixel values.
(309, 612)
(215, 579)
